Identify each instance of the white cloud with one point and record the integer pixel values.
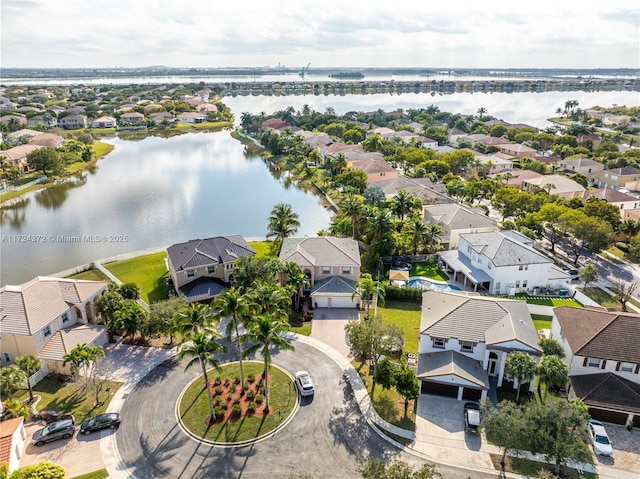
(200, 33)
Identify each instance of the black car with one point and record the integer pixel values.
(109, 420)
(56, 430)
(472, 417)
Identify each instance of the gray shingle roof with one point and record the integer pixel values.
(321, 251)
(477, 319)
(607, 390)
(504, 249)
(444, 363)
(457, 216)
(334, 284)
(203, 288)
(208, 251)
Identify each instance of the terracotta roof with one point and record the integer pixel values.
(30, 307)
(64, 340)
(607, 390)
(7, 429)
(596, 333)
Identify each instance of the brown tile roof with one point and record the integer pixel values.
(64, 340)
(607, 390)
(31, 306)
(7, 428)
(596, 333)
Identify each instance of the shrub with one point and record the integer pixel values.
(395, 293)
(219, 412)
(251, 408)
(259, 398)
(237, 410)
(229, 397)
(232, 388)
(622, 246)
(236, 401)
(224, 404)
(251, 378)
(218, 390)
(251, 394)
(236, 380)
(217, 381)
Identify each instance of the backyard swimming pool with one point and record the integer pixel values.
(430, 285)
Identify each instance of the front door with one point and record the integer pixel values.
(493, 363)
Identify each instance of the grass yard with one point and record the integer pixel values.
(602, 297)
(387, 402)
(66, 396)
(555, 302)
(541, 321)
(101, 474)
(407, 317)
(428, 270)
(148, 272)
(262, 248)
(530, 468)
(92, 274)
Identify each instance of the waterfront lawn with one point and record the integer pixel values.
(92, 274)
(101, 149)
(428, 270)
(407, 317)
(60, 394)
(262, 248)
(148, 272)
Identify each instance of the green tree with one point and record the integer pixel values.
(374, 195)
(283, 222)
(202, 347)
(161, 314)
(30, 364)
(82, 358)
(553, 372)
(264, 333)
(623, 292)
(195, 318)
(549, 219)
(589, 233)
(551, 347)
(602, 209)
(40, 470)
(506, 427)
(458, 160)
(129, 291)
(371, 338)
(396, 469)
(385, 374)
(46, 160)
(353, 207)
(12, 378)
(107, 305)
(369, 290)
(296, 280)
(130, 317)
(407, 385)
(402, 203)
(233, 305)
(588, 274)
(356, 180)
(249, 269)
(521, 367)
(373, 143)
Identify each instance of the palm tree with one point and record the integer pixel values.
(30, 364)
(233, 305)
(82, 357)
(417, 230)
(268, 297)
(201, 347)
(264, 332)
(353, 207)
(283, 222)
(368, 289)
(12, 378)
(372, 143)
(340, 163)
(481, 111)
(553, 372)
(296, 280)
(433, 230)
(521, 367)
(401, 204)
(193, 319)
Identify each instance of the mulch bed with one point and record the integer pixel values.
(222, 391)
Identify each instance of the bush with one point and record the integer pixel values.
(259, 398)
(232, 388)
(251, 408)
(251, 378)
(622, 246)
(43, 469)
(236, 380)
(219, 412)
(223, 404)
(251, 394)
(237, 410)
(218, 390)
(236, 401)
(395, 293)
(217, 382)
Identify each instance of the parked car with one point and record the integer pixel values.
(304, 383)
(102, 421)
(472, 417)
(600, 439)
(574, 273)
(56, 430)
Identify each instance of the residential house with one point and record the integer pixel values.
(46, 119)
(104, 122)
(17, 156)
(192, 117)
(465, 340)
(493, 164)
(333, 148)
(455, 219)
(73, 122)
(383, 131)
(501, 262)
(376, 170)
(332, 266)
(586, 166)
(422, 188)
(492, 141)
(357, 155)
(48, 317)
(207, 108)
(7, 119)
(517, 150)
(517, 177)
(552, 184)
(616, 178)
(601, 348)
(48, 140)
(12, 439)
(202, 268)
(161, 116)
(622, 200)
(132, 118)
(275, 124)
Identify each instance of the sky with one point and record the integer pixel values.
(324, 33)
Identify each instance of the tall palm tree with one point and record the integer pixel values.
(283, 222)
(264, 334)
(201, 348)
(368, 290)
(481, 111)
(401, 204)
(30, 364)
(191, 320)
(233, 305)
(296, 280)
(268, 297)
(12, 378)
(372, 143)
(340, 163)
(418, 231)
(553, 372)
(353, 207)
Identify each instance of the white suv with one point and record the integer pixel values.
(304, 383)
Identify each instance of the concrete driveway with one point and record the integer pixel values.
(328, 327)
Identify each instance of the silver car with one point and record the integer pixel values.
(600, 439)
(304, 383)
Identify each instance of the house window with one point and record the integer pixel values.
(46, 331)
(7, 357)
(468, 249)
(346, 270)
(326, 270)
(524, 283)
(211, 270)
(438, 342)
(498, 288)
(64, 318)
(625, 367)
(191, 274)
(520, 268)
(593, 363)
(466, 346)
(229, 266)
(518, 284)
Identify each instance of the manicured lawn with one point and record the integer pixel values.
(194, 406)
(91, 274)
(602, 298)
(13, 194)
(101, 474)
(67, 397)
(148, 272)
(555, 302)
(428, 270)
(262, 248)
(301, 328)
(407, 317)
(541, 321)
(530, 468)
(387, 402)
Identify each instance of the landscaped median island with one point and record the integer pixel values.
(239, 418)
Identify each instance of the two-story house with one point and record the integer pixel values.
(48, 317)
(455, 219)
(501, 262)
(616, 178)
(73, 122)
(104, 122)
(202, 268)
(601, 348)
(465, 339)
(332, 266)
(586, 166)
(517, 150)
(624, 201)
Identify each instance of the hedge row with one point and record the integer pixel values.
(396, 293)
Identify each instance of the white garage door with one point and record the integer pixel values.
(321, 302)
(343, 302)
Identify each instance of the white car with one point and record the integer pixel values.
(600, 439)
(304, 383)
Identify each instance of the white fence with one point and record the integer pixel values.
(9, 188)
(37, 377)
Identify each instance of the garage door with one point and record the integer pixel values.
(321, 302)
(343, 302)
(608, 416)
(440, 389)
(471, 394)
